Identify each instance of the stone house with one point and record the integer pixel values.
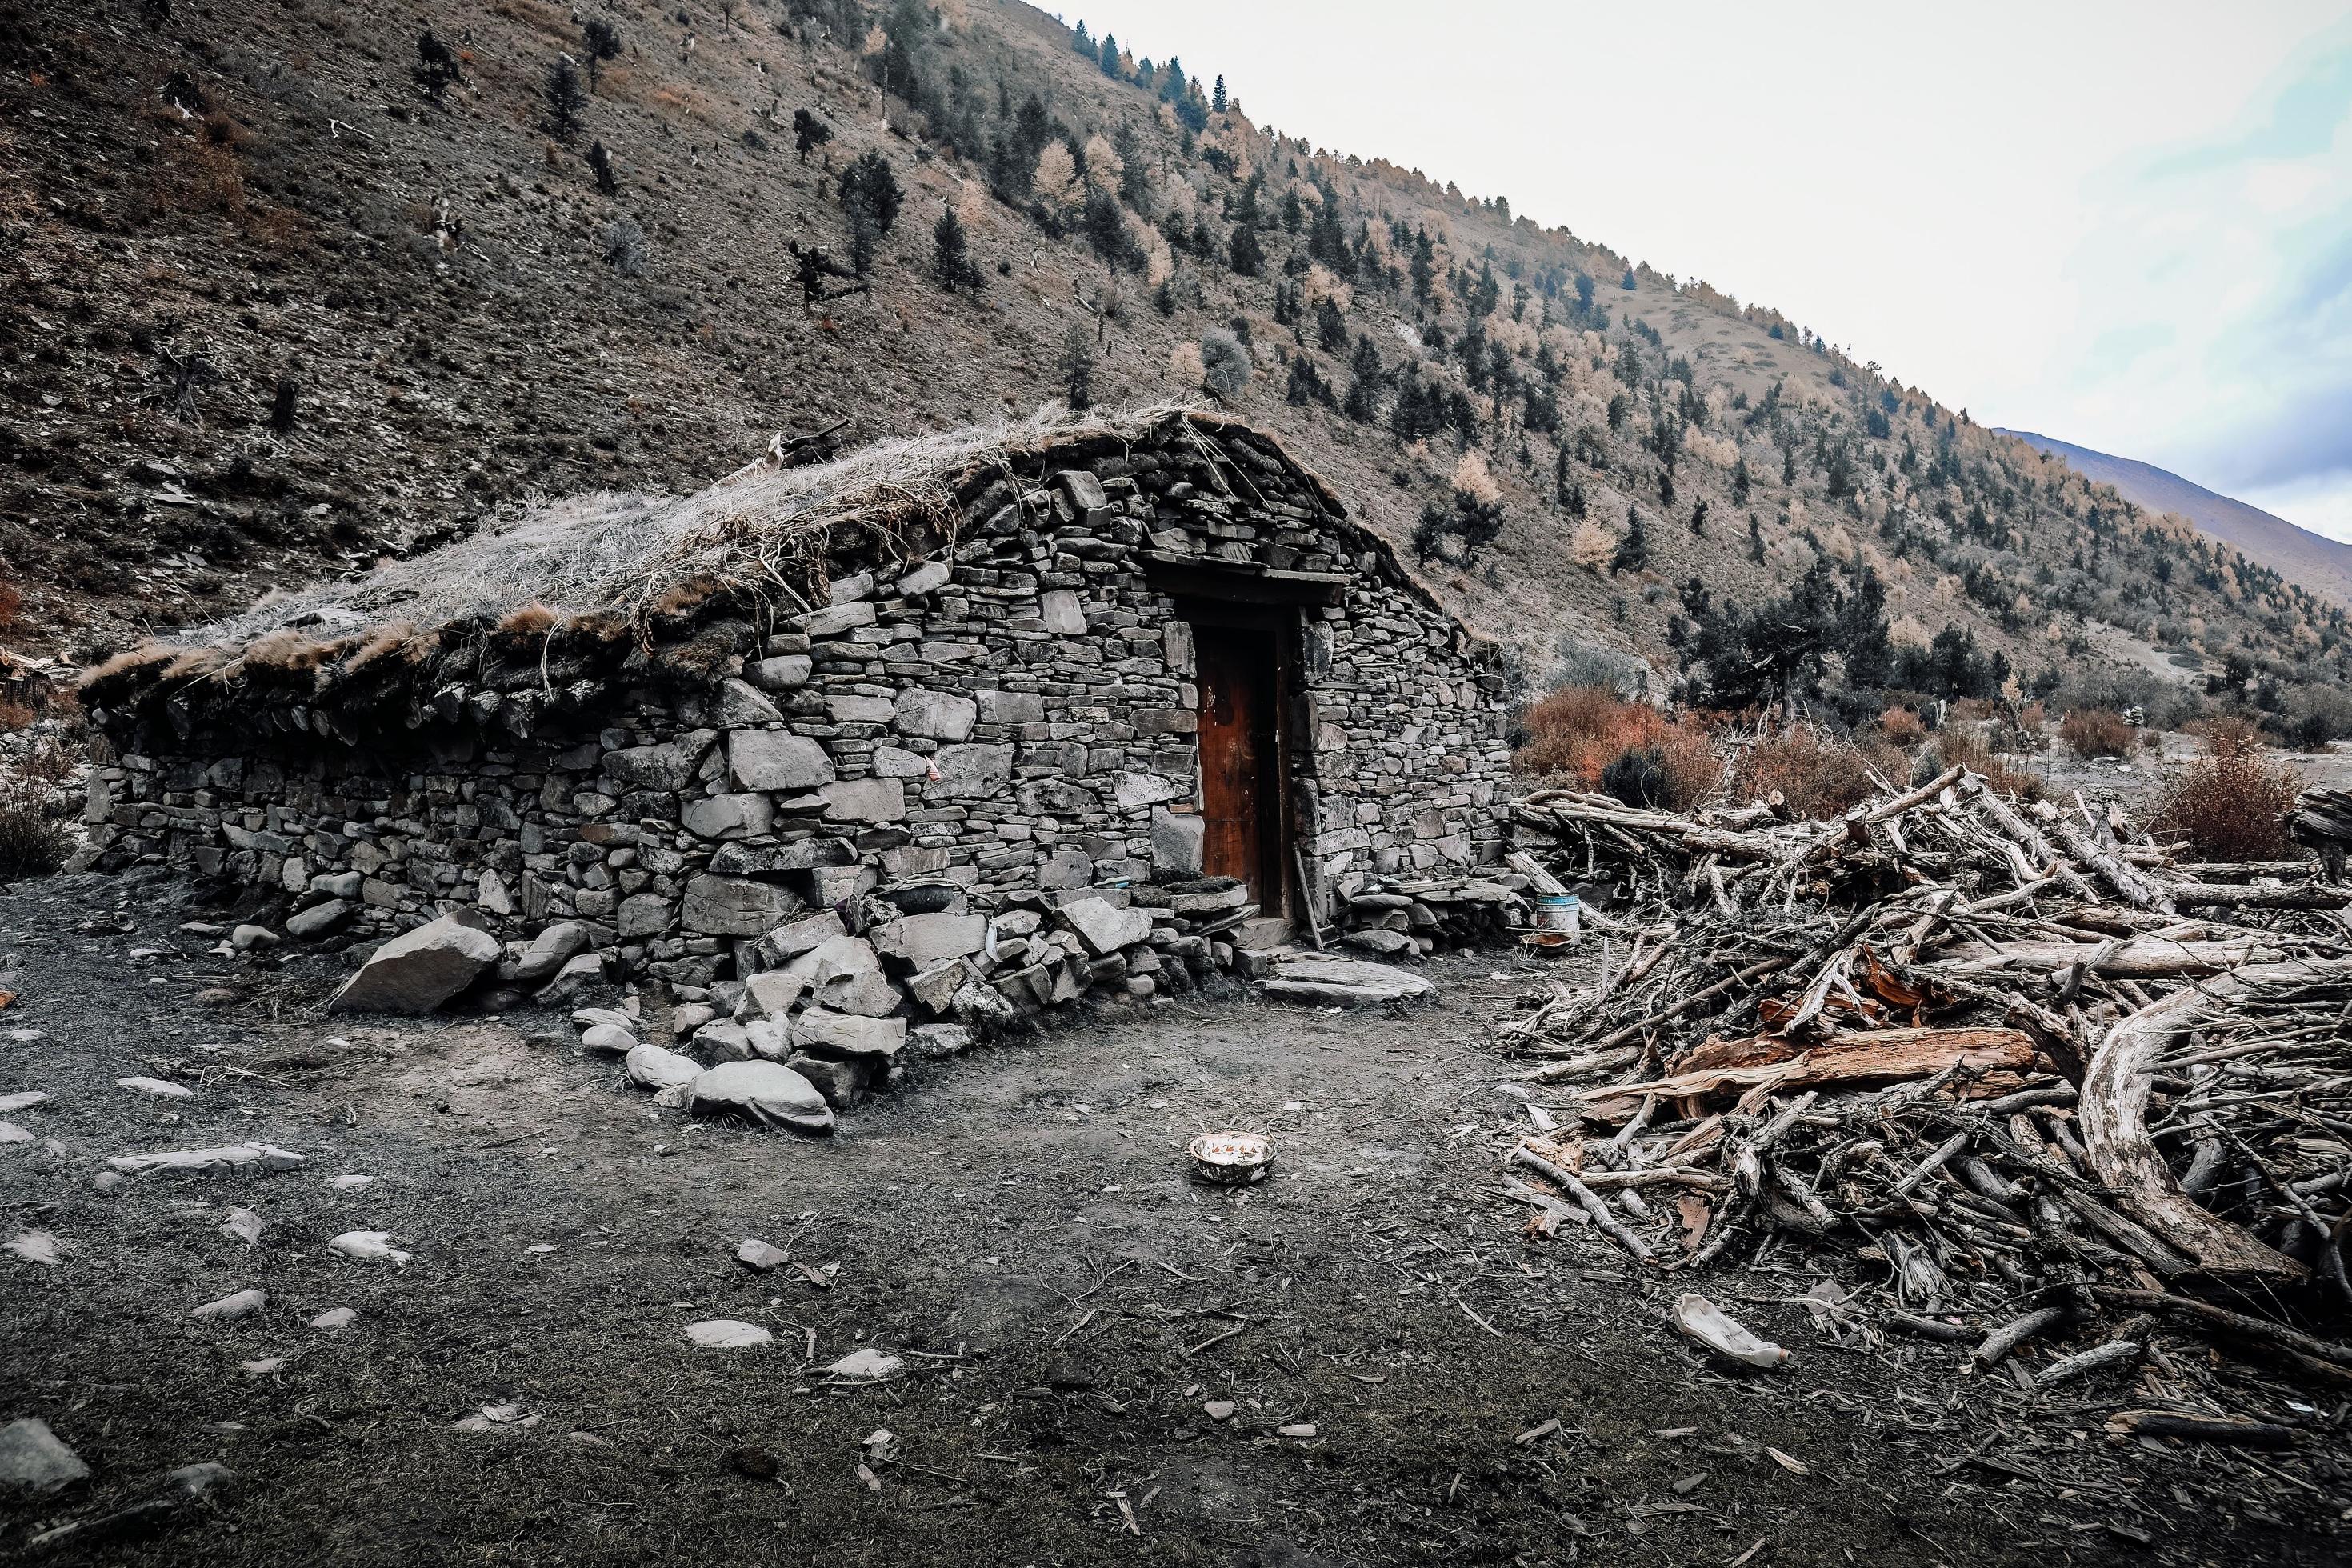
(1081, 704)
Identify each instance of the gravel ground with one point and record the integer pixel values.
(1019, 1228)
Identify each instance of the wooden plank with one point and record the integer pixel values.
(1882, 1055)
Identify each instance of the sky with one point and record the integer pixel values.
(2129, 227)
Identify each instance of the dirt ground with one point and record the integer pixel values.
(1020, 1227)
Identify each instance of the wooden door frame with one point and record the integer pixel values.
(1279, 624)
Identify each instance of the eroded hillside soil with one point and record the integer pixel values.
(1020, 1229)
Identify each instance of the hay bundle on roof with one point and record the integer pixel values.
(547, 604)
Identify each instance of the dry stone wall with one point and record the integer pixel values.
(951, 753)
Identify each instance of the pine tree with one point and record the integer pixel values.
(1217, 98)
(565, 97)
(1248, 257)
(601, 41)
(1633, 550)
(809, 132)
(600, 162)
(1078, 365)
(1108, 56)
(1330, 326)
(1741, 481)
(951, 261)
(1626, 283)
(1755, 540)
(871, 196)
(1082, 42)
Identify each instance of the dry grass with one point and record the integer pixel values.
(1958, 748)
(2097, 733)
(762, 532)
(1587, 733)
(2232, 804)
(1815, 775)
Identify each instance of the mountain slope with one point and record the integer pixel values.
(280, 309)
(2318, 563)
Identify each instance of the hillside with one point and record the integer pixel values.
(2318, 563)
(290, 291)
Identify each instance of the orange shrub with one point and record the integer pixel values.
(1575, 733)
(1817, 775)
(2096, 732)
(2230, 803)
(1901, 727)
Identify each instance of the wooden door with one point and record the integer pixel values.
(1240, 757)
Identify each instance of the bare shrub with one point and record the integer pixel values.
(32, 843)
(1815, 773)
(625, 246)
(2096, 732)
(2232, 804)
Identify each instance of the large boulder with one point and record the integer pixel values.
(1179, 841)
(727, 815)
(668, 767)
(768, 1092)
(970, 770)
(549, 951)
(744, 707)
(789, 941)
(320, 920)
(920, 941)
(735, 906)
(865, 800)
(655, 1067)
(776, 760)
(1344, 982)
(32, 1458)
(1103, 926)
(934, 715)
(825, 1034)
(843, 973)
(419, 970)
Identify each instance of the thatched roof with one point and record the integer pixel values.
(613, 571)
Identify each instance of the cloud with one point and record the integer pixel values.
(2215, 280)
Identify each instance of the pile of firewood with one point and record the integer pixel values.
(2038, 1071)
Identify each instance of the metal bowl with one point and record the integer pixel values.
(1232, 1159)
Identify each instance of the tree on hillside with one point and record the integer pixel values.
(1217, 98)
(1083, 42)
(565, 99)
(1633, 552)
(1248, 258)
(951, 261)
(599, 162)
(436, 66)
(600, 41)
(809, 132)
(871, 196)
(1330, 326)
(811, 267)
(1078, 365)
(1627, 282)
(1107, 57)
(1106, 225)
(1225, 366)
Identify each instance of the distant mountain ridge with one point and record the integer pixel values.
(2322, 564)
